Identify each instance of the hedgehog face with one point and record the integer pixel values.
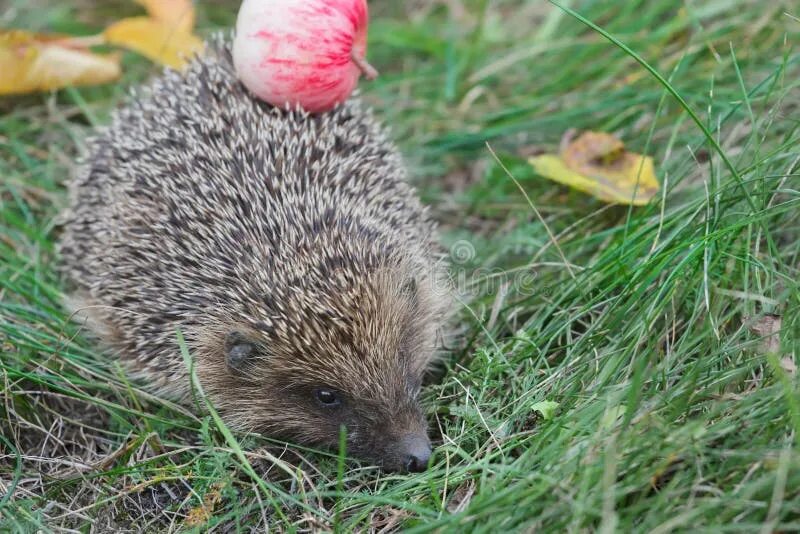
(355, 361)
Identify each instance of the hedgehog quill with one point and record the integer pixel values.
(288, 248)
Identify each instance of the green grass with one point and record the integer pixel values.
(671, 416)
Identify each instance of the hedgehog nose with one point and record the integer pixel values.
(415, 453)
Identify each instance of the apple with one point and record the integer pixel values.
(302, 52)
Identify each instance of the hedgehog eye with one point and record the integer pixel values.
(237, 350)
(327, 398)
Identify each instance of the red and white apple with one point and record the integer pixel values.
(306, 52)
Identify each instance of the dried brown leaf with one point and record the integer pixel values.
(461, 497)
(768, 327)
(201, 514)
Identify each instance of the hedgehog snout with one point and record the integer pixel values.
(414, 451)
(408, 453)
(406, 447)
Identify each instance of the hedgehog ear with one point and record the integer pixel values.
(238, 350)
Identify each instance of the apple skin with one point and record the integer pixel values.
(302, 52)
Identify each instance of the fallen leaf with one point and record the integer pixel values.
(201, 514)
(597, 163)
(546, 408)
(35, 62)
(461, 497)
(177, 14)
(154, 39)
(768, 327)
(383, 519)
(666, 471)
(590, 149)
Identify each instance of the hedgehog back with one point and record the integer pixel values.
(200, 202)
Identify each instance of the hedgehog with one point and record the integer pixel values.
(288, 249)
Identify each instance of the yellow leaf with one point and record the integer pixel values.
(177, 14)
(201, 514)
(597, 163)
(34, 62)
(154, 39)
